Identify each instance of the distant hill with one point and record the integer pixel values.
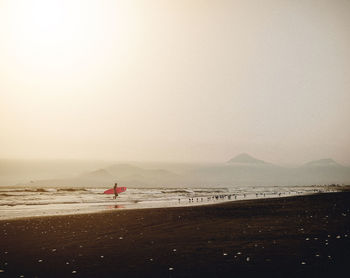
(125, 174)
(246, 159)
(98, 174)
(240, 170)
(127, 170)
(326, 162)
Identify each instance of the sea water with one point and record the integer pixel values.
(18, 202)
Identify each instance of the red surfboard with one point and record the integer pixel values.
(119, 190)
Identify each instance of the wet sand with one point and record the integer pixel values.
(303, 236)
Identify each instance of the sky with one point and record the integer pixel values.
(182, 81)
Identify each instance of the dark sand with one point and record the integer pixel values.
(257, 238)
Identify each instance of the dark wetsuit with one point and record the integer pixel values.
(115, 191)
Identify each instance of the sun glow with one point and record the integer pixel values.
(175, 80)
(54, 38)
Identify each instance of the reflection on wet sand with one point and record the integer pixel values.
(115, 207)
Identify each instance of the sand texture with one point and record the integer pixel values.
(304, 236)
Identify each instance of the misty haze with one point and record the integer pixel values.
(179, 138)
(242, 169)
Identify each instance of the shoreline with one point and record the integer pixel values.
(194, 204)
(17, 208)
(297, 236)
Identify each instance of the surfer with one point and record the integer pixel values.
(115, 191)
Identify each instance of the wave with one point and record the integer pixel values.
(17, 193)
(71, 189)
(36, 190)
(176, 191)
(25, 190)
(211, 191)
(41, 203)
(51, 190)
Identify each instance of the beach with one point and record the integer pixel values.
(299, 236)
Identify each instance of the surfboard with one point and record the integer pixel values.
(119, 190)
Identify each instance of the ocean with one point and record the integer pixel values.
(16, 202)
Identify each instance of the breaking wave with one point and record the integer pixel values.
(72, 189)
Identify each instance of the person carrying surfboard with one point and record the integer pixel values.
(115, 191)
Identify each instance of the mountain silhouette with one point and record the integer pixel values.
(323, 163)
(245, 158)
(242, 169)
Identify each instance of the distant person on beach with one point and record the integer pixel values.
(115, 191)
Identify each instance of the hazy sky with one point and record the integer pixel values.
(184, 80)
